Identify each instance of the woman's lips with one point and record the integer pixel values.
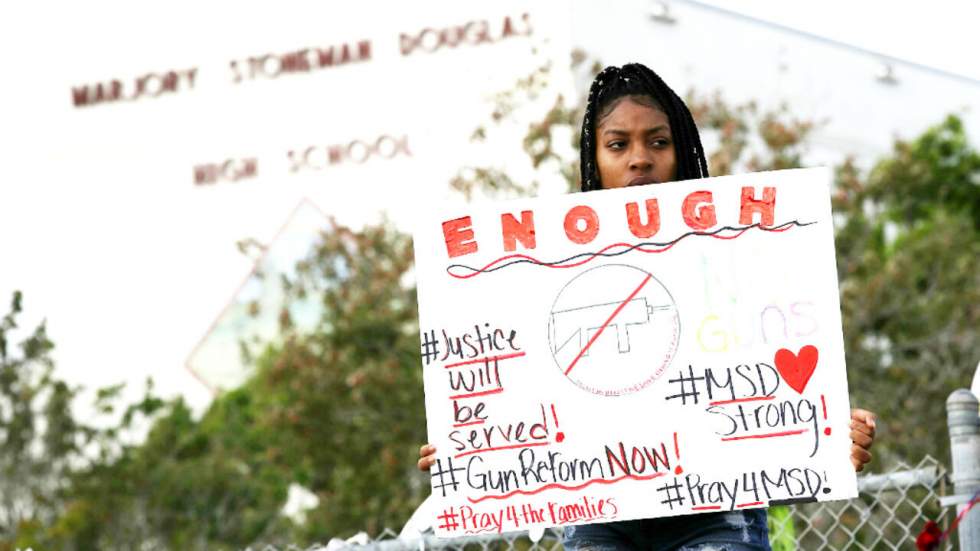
(642, 181)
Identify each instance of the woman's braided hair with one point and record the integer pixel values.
(634, 79)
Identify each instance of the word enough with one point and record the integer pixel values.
(582, 222)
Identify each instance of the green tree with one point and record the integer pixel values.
(337, 409)
(350, 392)
(42, 444)
(907, 254)
(38, 434)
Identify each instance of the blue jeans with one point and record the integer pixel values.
(745, 530)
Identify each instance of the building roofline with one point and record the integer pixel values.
(831, 42)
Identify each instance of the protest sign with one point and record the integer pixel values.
(642, 352)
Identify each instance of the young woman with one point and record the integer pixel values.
(637, 131)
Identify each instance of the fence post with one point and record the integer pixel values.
(963, 411)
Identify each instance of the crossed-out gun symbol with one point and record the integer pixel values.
(584, 321)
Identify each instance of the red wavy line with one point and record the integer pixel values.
(481, 530)
(596, 254)
(564, 487)
(487, 359)
(740, 400)
(480, 422)
(498, 448)
(538, 262)
(770, 435)
(749, 504)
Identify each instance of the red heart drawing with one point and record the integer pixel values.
(797, 369)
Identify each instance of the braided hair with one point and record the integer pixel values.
(641, 83)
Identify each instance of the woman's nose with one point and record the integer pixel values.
(640, 160)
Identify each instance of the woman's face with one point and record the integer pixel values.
(634, 146)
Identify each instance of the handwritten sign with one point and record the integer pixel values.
(643, 352)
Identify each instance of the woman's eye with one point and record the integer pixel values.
(618, 144)
(660, 142)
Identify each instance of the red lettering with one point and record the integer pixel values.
(170, 81)
(204, 174)
(251, 167)
(514, 231)
(99, 93)
(653, 219)
(403, 146)
(451, 36)
(698, 210)
(406, 43)
(364, 50)
(150, 84)
(459, 236)
(79, 96)
(115, 90)
(620, 461)
(325, 57)
(765, 207)
(508, 28)
(481, 34)
(584, 213)
(295, 61)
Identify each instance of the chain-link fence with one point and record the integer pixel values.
(888, 513)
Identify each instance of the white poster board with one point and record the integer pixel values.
(642, 352)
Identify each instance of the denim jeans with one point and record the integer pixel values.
(744, 530)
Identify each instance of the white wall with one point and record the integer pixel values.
(101, 222)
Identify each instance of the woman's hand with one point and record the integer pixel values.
(427, 457)
(862, 436)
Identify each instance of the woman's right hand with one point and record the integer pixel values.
(427, 457)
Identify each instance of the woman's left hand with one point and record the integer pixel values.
(862, 436)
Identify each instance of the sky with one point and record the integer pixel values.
(104, 233)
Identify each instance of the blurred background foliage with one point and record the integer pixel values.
(338, 410)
